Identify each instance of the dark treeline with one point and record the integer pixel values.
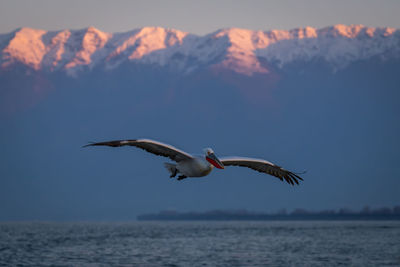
(367, 213)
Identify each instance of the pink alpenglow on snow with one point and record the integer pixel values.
(240, 50)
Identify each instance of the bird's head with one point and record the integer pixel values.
(210, 157)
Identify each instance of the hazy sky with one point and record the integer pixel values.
(197, 17)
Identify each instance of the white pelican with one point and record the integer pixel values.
(199, 166)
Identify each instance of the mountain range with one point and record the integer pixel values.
(243, 51)
(322, 100)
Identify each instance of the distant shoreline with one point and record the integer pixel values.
(297, 215)
(156, 217)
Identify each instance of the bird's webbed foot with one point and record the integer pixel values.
(181, 177)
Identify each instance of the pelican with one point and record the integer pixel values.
(188, 165)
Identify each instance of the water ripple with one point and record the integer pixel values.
(201, 244)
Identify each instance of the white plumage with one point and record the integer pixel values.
(198, 166)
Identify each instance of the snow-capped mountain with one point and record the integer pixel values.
(243, 51)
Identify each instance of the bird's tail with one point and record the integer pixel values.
(171, 168)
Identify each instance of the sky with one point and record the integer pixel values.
(198, 17)
(350, 148)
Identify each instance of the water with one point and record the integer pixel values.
(288, 243)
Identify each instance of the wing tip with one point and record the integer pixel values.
(114, 143)
(292, 178)
(89, 144)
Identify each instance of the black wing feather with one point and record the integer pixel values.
(264, 167)
(148, 145)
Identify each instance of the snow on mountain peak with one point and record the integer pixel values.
(339, 45)
(240, 51)
(243, 51)
(91, 42)
(26, 47)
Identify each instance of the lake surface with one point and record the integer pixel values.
(285, 243)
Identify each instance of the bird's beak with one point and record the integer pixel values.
(215, 161)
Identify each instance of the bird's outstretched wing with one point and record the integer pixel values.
(151, 146)
(262, 166)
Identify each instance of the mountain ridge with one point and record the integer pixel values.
(240, 50)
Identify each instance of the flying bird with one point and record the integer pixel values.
(188, 165)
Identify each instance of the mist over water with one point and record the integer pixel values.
(294, 243)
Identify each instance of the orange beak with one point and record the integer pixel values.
(215, 161)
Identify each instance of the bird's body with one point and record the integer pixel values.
(198, 166)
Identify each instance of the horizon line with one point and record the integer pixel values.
(211, 32)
